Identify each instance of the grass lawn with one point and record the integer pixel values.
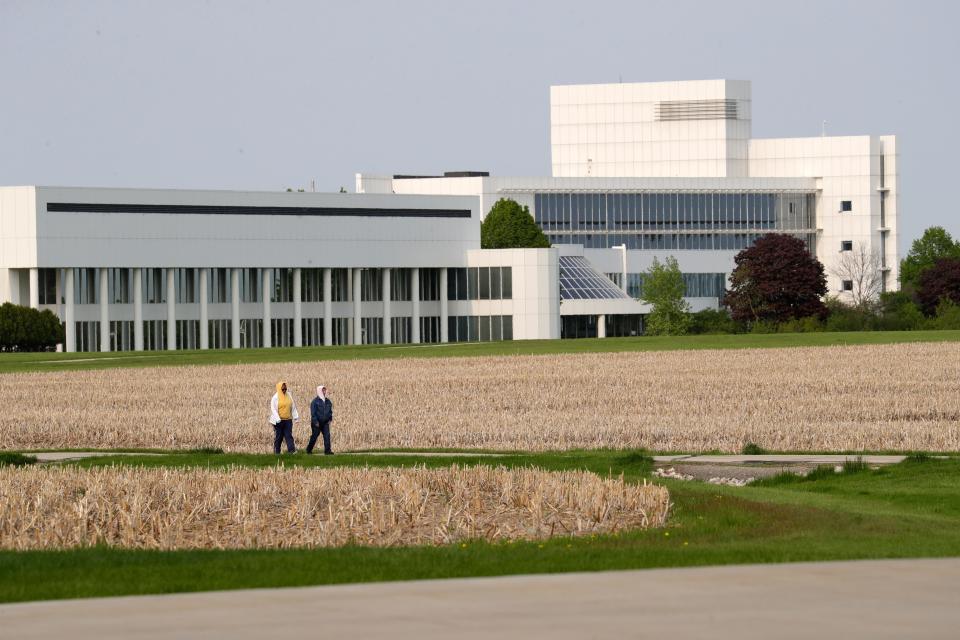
(908, 510)
(17, 362)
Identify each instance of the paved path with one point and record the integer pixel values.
(785, 458)
(869, 599)
(60, 456)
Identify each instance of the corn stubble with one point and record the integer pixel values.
(135, 507)
(898, 397)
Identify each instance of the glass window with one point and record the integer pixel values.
(473, 328)
(496, 328)
(461, 284)
(48, 286)
(484, 273)
(507, 283)
(472, 283)
(508, 327)
(846, 205)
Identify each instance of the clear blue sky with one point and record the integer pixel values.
(266, 95)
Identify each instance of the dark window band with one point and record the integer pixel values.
(196, 209)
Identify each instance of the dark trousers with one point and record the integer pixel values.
(283, 430)
(315, 432)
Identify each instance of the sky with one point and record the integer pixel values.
(269, 95)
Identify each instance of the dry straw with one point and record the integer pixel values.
(59, 507)
(897, 397)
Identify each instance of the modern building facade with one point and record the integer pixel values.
(130, 269)
(671, 168)
(640, 171)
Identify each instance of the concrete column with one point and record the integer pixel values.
(415, 302)
(138, 309)
(266, 280)
(34, 288)
(104, 291)
(327, 307)
(297, 307)
(387, 328)
(171, 310)
(69, 316)
(444, 314)
(601, 326)
(235, 308)
(204, 312)
(357, 307)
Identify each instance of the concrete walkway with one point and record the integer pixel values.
(813, 459)
(60, 456)
(785, 458)
(870, 599)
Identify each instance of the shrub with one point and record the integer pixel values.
(801, 325)
(752, 449)
(947, 316)
(26, 329)
(712, 321)
(940, 281)
(8, 458)
(846, 318)
(898, 312)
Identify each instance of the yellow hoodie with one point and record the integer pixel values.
(284, 403)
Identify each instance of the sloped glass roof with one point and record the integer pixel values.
(580, 281)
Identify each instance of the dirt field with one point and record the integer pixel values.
(886, 397)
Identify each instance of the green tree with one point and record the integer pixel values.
(663, 289)
(510, 226)
(934, 244)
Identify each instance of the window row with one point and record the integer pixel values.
(696, 285)
(479, 328)
(220, 335)
(674, 210)
(671, 241)
(615, 325)
(480, 283)
(187, 285)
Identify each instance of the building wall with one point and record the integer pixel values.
(168, 240)
(535, 305)
(45, 241)
(649, 129)
(846, 169)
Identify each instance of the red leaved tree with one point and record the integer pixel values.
(776, 280)
(942, 280)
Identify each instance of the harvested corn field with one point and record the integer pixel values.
(60, 507)
(878, 397)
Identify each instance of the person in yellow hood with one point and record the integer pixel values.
(283, 413)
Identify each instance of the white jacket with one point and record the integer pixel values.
(275, 415)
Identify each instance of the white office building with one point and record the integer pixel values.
(133, 269)
(671, 169)
(639, 171)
